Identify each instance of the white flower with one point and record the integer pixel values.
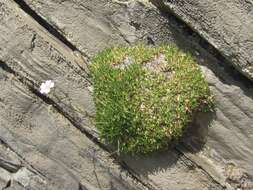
(161, 59)
(45, 87)
(127, 61)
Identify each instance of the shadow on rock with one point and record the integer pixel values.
(195, 136)
(153, 163)
(221, 76)
(193, 140)
(207, 55)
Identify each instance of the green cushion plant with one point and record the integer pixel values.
(146, 96)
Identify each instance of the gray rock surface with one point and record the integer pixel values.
(38, 128)
(98, 28)
(226, 24)
(216, 150)
(44, 144)
(45, 151)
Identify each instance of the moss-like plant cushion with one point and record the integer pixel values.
(146, 96)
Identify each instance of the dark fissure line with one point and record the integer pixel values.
(186, 29)
(49, 101)
(52, 30)
(203, 43)
(55, 32)
(196, 165)
(30, 167)
(89, 134)
(8, 184)
(9, 166)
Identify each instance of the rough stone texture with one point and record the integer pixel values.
(45, 146)
(230, 136)
(172, 170)
(36, 126)
(217, 154)
(33, 57)
(43, 150)
(94, 25)
(226, 24)
(98, 29)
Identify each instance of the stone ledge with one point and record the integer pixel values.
(227, 25)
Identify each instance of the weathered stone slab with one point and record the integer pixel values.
(98, 29)
(223, 138)
(230, 136)
(234, 101)
(61, 155)
(94, 25)
(27, 51)
(226, 24)
(172, 170)
(37, 57)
